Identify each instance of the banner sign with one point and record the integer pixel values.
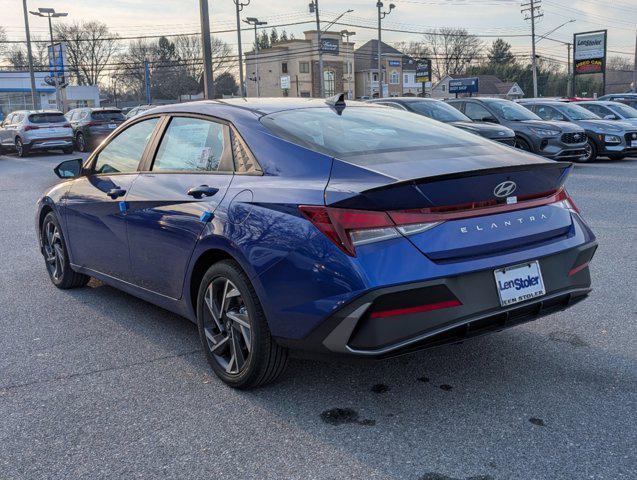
(464, 85)
(285, 82)
(589, 54)
(329, 45)
(59, 64)
(423, 70)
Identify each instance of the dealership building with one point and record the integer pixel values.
(291, 68)
(15, 93)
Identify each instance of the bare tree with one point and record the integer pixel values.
(619, 63)
(89, 47)
(453, 50)
(188, 49)
(17, 56)
(414, 49)
(3, 38)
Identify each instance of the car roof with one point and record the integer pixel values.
(255, 106)
(403, 99)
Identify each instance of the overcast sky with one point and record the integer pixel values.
(481, 17)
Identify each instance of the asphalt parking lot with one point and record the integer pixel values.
(95, 383)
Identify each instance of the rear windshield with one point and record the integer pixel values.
(47, 118)
(107, 115)
(362, 130)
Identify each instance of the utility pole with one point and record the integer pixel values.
(255, 21)
(532, 11)
(381, 15)
(568, 72)
(314, 8)
(208, 84)
(50, 13)
(635, 67)
(240, 6)
(29, 53)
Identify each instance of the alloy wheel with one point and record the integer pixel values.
(19, 148)
(588, 149)
(53, 250)
(227, 325)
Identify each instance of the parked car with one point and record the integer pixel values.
(439, 110)
(333, 227)
(629, 99)
(554, 140)
(92, 125)
(612, 111)
(604, 137)
(133, 112)
(25, 131)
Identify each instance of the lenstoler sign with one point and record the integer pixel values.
(589, 55)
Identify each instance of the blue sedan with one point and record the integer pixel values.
(317, 225)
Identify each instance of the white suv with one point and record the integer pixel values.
(27, 130)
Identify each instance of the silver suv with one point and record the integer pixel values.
(28, 130)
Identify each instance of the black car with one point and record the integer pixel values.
(554, 140)
(92, 125)
(439, 110)
(607, 138)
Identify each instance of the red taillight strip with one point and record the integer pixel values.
(419, 309)
(427, 215)
(577, 269)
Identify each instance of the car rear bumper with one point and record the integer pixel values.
(470, 303)
(45, 143)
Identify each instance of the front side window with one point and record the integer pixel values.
(476, 112)
(194, 145)
(438, 111)
(548, 113)
(123, 153)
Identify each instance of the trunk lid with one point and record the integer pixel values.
(462, 186)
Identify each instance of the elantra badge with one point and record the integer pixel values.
(505, 189)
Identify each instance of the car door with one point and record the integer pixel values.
(170, 203)
(95, 204)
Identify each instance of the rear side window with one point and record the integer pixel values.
(359, 131)
(194, 145)
(123, 153)
(107, 115)
(47, 118)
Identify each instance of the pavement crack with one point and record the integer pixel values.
(5, 388)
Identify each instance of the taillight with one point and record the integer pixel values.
(94, 124)
(564, 200)
(30, 127)
(348, 229)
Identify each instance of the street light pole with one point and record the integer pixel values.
(255, 21)
(50, 13)
(208, 84)
(381, 15)
(239, 8)
(350, 66)
(29, 53)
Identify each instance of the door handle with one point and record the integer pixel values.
(116, 193)
(202, 190)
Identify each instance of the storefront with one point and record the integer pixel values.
(15, 92)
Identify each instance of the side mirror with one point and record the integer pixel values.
(610, 117)
(69, 168)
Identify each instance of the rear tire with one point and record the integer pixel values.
(56, 256)
(80, 142)
(591, 152)
(21, 149)
(233, 329)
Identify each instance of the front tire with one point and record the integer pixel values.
(56, 256)
(233, 329)
(523, 145)
(590, 150)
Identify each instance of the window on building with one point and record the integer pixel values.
(305, 94)
(444, 87)
(394, 78)
(375, 77)
(405, 78)
(329, 83)
(284, 67)
(304, 67)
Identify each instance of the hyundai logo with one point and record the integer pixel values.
(505, 189)
(576, 136)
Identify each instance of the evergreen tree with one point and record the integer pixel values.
(500, 53)
(274, 37)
